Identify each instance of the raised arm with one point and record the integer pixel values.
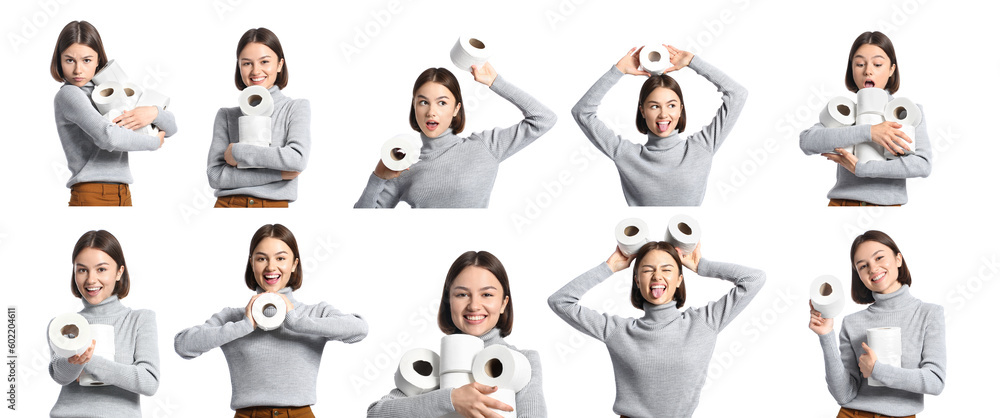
(747, 283)
(142, 376)
(565, 302)
(290, 157)
(734, 96)
(221, 328)
(585, 115)
(221, 175)
(324, 320)
(73, 103)
(928, 377)
(538, 119)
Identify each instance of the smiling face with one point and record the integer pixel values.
(273, 264)
(79, 64)
(662, 111)
(96, 274)
(658, 277)
(871, 67)
(477, 301)
(434, 107)
(878, 267)
(259, 65)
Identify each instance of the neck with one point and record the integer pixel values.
(437, 144)
(893, 301)
(107, 306)
(664, 312)
(492, 336)
(656, 142)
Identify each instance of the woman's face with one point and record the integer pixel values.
(662, 111)
(477, 300)
(96, 274)
(878, 267)
(79, 64)
(259, 65)
(658, 277)
(434, 106)
(871, 67)
(273, 264)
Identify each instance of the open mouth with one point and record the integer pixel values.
(258, 80)
(272, 278)
(431, 125)
(657, 290)
(869, 84)
(93, 290)
(474, 319)
(878, 277)
(663, 126)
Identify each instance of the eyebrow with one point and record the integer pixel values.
(668, 101)
(873, 57)
(96, 265)
(70, 56)
(277, 253)
(421, 96)
(251, 59)
(467, 289)
(661, 265)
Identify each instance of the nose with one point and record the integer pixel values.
(77, 69)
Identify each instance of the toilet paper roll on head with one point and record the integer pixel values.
(111, 73)
(256, 101)
(469, 51)
(654, 59)
(69, 335)
(827, 296)
(400, 152)
(887, 343)
(631, 234)
(500, 366)
(840, 111)
(268, 311)
(417, 372)
(683, 232)
(104, 335)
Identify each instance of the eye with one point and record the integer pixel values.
(487, 295)
(442, 103)
(422, 102)
(879, 257)
(69, 60)
(672, 105)
(862, 267)
(264, 62)
(81, 270)
(646, 271)
(654, 107)
(461, 295)
(259, 259)
(87, 60)
(878, 65)
(102, 269)
(281, 258)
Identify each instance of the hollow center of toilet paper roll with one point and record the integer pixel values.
(477, 43)
(826, 289)
(654, 56)
(630, 231)
(423, 367)
(270, 310)
(107, 92)
(129, 92)
(844, 110)
(397, 154)
(493, 367)
(255, 100)
(899, 112)
(684, 228)
(70, 331)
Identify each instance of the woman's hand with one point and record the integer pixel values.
(817, 323)
(842, 157)
(384, 173)
(484, 74)
(249, 311)
(288, 303)
(867, 361)
(690, 260)
(629, 64)
(678, 58)
(229, 156)
(162, 135)
(619, 261)
(471, 401)
(289, 175)
(84, 357)
(138, 117)
(888, 135)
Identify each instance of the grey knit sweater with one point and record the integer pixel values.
(671, 171)
(923, 360)
(665, 344)
(289, 151)
(277, 367)
(96, 149)
(530, 399)
(456, 172)
(135, 369)
(878, 182)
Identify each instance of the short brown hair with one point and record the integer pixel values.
(103, 241)
(277, 231)
(880, 40)
(445, 78)
(269, 39)
(76, 32)
(651, 84)
(859, 292)
(490, 263)
(680, 295)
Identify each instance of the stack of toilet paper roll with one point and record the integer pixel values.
(469, 51)
(504, 368)
(257, 106)
(457, 353)
(114, 94)
(827, 296)
(904, 112)
(268, 311)
(654, 59)
(400, 152)
(104, 335)
(887, 343)
(873, 107)
(683, 232)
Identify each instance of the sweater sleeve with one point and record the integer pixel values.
(73, 103)
(748, 282)
(929, 376)
(585, 114)
(734, 96)
(843, 377)
(221, 175)
(223, 327)
(378, 193)
(538, 119)
(165, 122)
(290, 157)
(531, 399)
(819, 139)
(326, 321)
(397, 405)
(916, 164)
(565, 303)
(142, 376)
(60, 369)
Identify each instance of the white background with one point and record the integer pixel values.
(554, 204)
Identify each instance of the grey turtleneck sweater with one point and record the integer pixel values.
(135, 369)
(671, 171)
(289, 151)
(923, 360)
(277, 367)
(456, 172)
(530, 399)
(665, 343)
(96, 149)
(878, 182)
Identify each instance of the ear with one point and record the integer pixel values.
(458, 106)
(296, 265)
(281, 64)
(504, 306)
(680, 279)
(121, 270)
(899, 260)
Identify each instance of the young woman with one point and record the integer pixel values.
(475, 301)
(687, 337)
(96, 149)
(879, 277)
(667, 170)
(872, 63)
(101, 279)
(273, 372)
(454, 172)
(260, 61)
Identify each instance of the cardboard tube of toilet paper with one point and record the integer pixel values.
(631, 234)
(887, 343)
(417, 372)
(458, 351)
(683, 232)
(910, 131)
(400, 152)
(108, 96)
(872, 100)
(69, 335)
(500, 366)
(903, 111)
(827, 296)
(268, 303)
(455, 379)
(469, 51)
(104, 347)
(868, 151)
(111, 73)
(256, 101)
(840, 111)
(654, 59)
(152, 97)
(132, 94)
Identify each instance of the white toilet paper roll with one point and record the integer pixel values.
(632, 234)
(255, 130)
(683, 232)
(840, 111)
(152, 97)
(269, 302)
(132, 93)
(903, 111)
(868, 151)
(500, 366)
(827, 296)
(256, 101)
(869, 119)
(455, 380)
(458, 351)
(69, 335)
(104, 347)
(400, 152)
(417, 372)
(469, 51)
(111, 73)
(872, 100)
(108, 96)
(887, 343)
(508, 397)
(654, 59)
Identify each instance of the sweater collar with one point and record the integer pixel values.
(893, 301)
(276, 95)
(664, 313)
(107, 307)
(656, 143)
(431, 147)
(491, 337)
(287, 291)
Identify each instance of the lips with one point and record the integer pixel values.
(93, 290)
(657, 290)
(869, 83)
(431, 125)
(272, 278)
(474, 319)
(878, 277)
(258, 80)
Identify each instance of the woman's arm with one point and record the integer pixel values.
(531, 399)
(929, 376)
(324, 320)
(734, 96)
(819, 139)
(397, 405)
(843, 377)
(916, 164)
(165, 121)
(221, 175)
(748, 282)
(73, 103)
(221, 328)
(143, 375)
(379, 193)
(585, 115)
(290, 157)
(538, 119)
(565, 303)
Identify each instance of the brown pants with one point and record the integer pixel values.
(849, 202)
(100, 194)
(244, 201)
(854, 413)
(275, 412)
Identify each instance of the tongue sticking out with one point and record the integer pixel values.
(657, 292)
(869, 83)
(662, 126)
